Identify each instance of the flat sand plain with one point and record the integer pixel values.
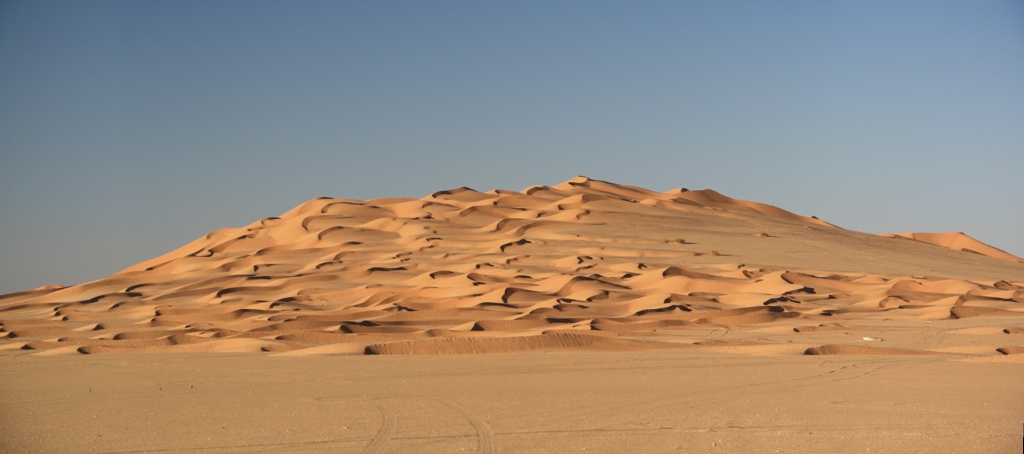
(586, 315)
(509, 402)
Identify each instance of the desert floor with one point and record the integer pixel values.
(512, 402)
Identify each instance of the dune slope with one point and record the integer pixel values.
(958, 241)
(584, 265)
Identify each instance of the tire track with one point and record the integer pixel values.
(387, 429)
(484, 436)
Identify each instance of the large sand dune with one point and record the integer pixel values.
(585, 265)
(586, 316)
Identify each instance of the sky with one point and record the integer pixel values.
(128, 129)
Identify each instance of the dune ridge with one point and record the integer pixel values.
(957, 241)
(583, 265)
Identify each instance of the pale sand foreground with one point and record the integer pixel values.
(517, 402)
(588, 315)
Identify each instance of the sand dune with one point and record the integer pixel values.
(585, 265)
(959, 241)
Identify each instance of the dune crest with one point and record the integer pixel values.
(957, 241)
(581, 265)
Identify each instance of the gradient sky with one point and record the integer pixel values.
(128, 129)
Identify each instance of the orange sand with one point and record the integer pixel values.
(584, 267)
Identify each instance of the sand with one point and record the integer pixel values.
(550, 303)
(518, 402)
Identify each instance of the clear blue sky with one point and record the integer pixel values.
(130, 128)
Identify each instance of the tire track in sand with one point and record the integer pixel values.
(484, 436)
(386, 431)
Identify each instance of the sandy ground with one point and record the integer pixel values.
(520, 402)
(585, 315)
